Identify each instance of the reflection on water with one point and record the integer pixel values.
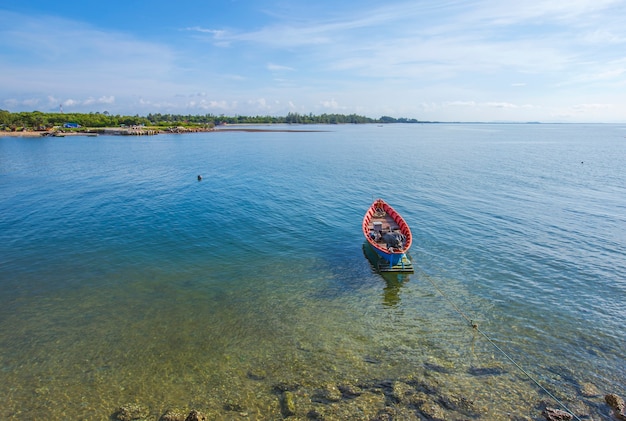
(393, 280)
(391, 292)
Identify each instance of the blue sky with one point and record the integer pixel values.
(446, 60)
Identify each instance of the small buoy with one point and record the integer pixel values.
(199, 178)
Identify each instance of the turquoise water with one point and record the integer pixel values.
(125, 279)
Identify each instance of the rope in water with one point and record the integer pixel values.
(475, 327)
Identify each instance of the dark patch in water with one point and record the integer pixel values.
(486, 371)
(285, 387)
(371, 360)
(457, 404)
(349, 391)
(255, 376)
(437, 368)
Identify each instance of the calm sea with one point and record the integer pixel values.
(125, 279)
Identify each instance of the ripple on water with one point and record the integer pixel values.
(125, 279)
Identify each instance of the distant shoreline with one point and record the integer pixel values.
(127, 132)
(241, 129)
(21, 134)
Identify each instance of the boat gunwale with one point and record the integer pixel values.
(397, 218)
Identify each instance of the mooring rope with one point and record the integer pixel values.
(508, 357)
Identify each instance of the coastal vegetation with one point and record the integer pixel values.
(37, 120)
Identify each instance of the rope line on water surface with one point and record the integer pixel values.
(508, 357)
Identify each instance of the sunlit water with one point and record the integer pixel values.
(124, 279)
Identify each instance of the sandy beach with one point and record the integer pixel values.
(27, 133)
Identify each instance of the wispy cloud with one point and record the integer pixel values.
(438, 60)
(216, 33)
(443, 41)
(332, 105)
(278, 68)
(62, 57)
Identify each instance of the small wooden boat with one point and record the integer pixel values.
(389, 235)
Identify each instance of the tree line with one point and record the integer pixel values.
(37, 120)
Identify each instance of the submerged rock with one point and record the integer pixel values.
(174, 415)
(615, 402)
(182, 415)
(430, 410)
(363, 407)
(458, 404)
(233, 407)
(349, 391)
(287, 404)
(327, 394)
(552, 414)
(589, 390)
(314, 415)
(195, 416)
(131, 412)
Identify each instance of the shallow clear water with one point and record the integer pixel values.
(124, 279)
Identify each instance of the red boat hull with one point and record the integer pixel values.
(382, 223)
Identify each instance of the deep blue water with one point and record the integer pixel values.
(124, 278)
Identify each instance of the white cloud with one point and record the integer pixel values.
(101, 100)
(277, 67)
(501, 105)
(217, 33)
(332, 104)
(221, 105)
(217, 37)
(25, 103)
(260, 103)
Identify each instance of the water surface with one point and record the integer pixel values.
(124, 279)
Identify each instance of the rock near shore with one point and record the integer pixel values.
(552, 414)
(617, 404)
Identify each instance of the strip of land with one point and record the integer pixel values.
(20, 134)
(243, 129)
(145, 131)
